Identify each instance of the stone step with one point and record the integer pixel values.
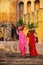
(17, 59)
(21, 61)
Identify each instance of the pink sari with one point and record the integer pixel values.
(22, 42)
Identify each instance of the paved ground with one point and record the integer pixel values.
(17, 59)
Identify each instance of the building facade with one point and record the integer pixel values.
(28, 10)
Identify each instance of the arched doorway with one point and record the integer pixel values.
(36, 9)
(36, 5)
(21, 9)
(28, 10)
(28, 7)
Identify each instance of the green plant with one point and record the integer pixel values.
(20, 23)
(32, 25)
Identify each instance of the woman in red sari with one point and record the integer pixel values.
(32, 41)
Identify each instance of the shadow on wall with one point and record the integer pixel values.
(13, 33)
(8, 32)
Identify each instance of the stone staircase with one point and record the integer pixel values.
(17, 59)
(9, 54)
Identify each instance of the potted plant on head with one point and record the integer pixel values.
(32, 26)
(20, 23)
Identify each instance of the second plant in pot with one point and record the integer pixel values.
(32, 29)
(32, 26)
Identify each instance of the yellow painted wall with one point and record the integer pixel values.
(8, 12)
(40, 23)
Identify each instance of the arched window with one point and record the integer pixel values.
(36, 5)
(21, 9)
(28, 7)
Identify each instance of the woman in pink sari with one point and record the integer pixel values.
(22, 40)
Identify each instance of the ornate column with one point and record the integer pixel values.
(25, 11)
(41, 3)
(32, 6)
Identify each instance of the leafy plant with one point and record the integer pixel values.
(20, 23)
(32, 25)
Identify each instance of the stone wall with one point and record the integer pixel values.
(12, 46)
(6, 30)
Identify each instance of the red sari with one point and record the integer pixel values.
(32, 47)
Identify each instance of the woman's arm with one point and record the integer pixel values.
(17, 32)
(37, 39)
(28, 34)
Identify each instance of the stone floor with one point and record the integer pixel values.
(17, 59)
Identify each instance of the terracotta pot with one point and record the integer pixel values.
(20, 27)
(32, 31)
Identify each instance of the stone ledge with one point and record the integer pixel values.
(12, 46)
